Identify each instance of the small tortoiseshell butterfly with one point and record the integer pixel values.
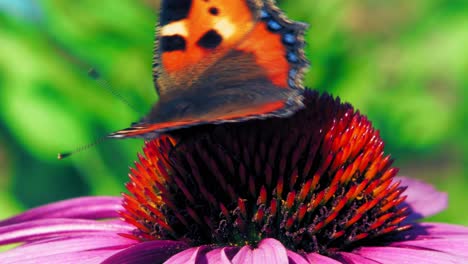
(222, 61)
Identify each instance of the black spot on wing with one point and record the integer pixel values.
(214, 11)
(172, 43)
(174, 10)
(210, 40)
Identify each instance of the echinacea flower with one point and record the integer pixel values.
(312, 188)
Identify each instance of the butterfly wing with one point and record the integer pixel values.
(223, 61)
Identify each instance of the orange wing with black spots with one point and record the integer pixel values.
(222, 61)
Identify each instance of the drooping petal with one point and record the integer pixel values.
(423, 199)
(317, 258)
(193, 255)
(345, 257)
(98, 207)
(451, 245)
(451, 239)
(390, 255)
(440, 230)
(295, 258)
(81, 248)
(81, 257)
(152, 252)
(221, 255)
(269, 251)
(47, 228)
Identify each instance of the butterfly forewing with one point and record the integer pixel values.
(223, 61)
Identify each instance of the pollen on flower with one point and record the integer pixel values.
(317, 181)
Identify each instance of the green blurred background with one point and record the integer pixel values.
(402, 63)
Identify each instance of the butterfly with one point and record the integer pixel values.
(220, 61)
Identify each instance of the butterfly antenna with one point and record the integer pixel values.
(95, 75)
(64, 155)
(91, 71)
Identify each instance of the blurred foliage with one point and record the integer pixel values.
(402, 63)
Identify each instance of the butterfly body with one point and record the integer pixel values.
(222, 61)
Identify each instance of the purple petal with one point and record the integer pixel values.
(295, 258)
(86, 257)
(269, 251)
(46, 228)
(408, 255)
(454, 246)
(423, 199)
(346, 257)
(151, 252)
(72, 247)
(221, 255)
(317, 258)
(97, 207)
(196, 255)
(451, 239)
(423, 231)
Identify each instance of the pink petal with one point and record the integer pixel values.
(317, 258)
(221, 255)
(439, 229)
(451, 239)
(46, 228)
(407, 255)
(86, 257)
(150, 252)
(269, 251)
(346, 257)
(96, 207)
(454, 246)
(196, 255)
(423, 199)
(295, 258)
(71, 247)
(424, 231)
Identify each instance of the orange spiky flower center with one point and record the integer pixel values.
(317, 181)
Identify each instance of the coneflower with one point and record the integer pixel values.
(312, 188)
